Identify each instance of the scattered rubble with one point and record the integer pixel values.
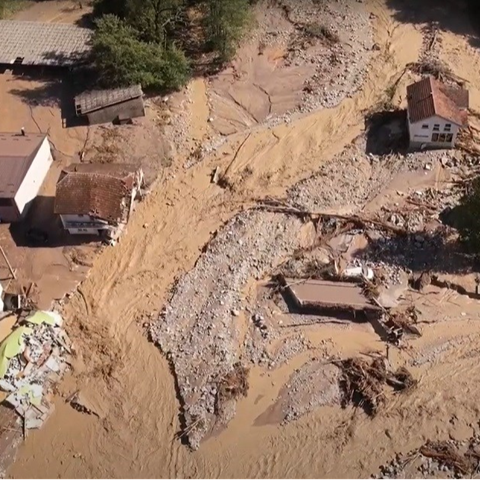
(343, 40)
(32, 359)
(437, 459)
(315, 384)
(198, 324)
(209, 326)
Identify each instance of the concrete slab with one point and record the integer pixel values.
(326, 294)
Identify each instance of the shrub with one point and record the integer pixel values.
(122, 59)
(468, 218)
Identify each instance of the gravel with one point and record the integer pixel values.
(415, 465)
(340, 67)
(199, 331)
(316, 384)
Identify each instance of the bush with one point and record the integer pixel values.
(468, 218)
(322, 31)
(225, 22)
(122, 59)
(106, 7)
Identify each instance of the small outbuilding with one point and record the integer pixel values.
(116, 105)
(436, 113)
(97, 199)
(25, 159)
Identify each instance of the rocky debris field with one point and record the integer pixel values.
(343, 31)
(437, 459)
(211, 326)
(303, 55)
(203, 326)
(316, 384)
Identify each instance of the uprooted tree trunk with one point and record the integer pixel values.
(273, 205)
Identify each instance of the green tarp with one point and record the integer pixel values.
(12, 346)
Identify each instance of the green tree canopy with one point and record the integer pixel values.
(468, 218)
(123, 59)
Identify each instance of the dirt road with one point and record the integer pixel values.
(136, 438)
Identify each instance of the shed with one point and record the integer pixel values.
(25, 159)
(114, 105)
(436, 113)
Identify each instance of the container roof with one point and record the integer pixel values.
(48, 44)
(90, 101)
(17, 153)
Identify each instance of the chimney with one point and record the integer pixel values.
(23, 131)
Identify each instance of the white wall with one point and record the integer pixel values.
(83, 231)
(420, 135)
(83, 224)
(35, 176)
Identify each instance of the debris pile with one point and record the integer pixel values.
(436, 459)
(362, 382)
(32, 360)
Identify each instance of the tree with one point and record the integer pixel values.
(106, 7)
(225, 22)
(122, 59)
(468, 218)
(153, 18)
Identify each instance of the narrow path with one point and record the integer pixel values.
(136, 439)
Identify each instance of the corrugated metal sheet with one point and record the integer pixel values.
(118, 170)
(90, 101)
(36, 43)
(17, 153)
(428, 98)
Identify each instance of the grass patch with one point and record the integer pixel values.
(8, 8)
(321, 31)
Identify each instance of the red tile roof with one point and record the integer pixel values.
(97, 194)
(429, 97)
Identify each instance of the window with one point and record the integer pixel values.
(6, 202)
(449, 138)
(448, 127)
(424, 126)
(442, 138)
(435, 137)
(436, 127)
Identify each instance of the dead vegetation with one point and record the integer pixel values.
(322, 32)
(233, 385)
(404, 320)
(363, 382)
(432, 66)
(446, 454)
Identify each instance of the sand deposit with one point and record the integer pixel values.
(165, 241)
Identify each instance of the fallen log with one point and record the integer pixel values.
(273, 205)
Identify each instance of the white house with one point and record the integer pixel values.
(25, 159)
(436, 113)
(97, 199)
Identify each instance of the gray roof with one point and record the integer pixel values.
(17, 153)
(52, 44)
(90, 101)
